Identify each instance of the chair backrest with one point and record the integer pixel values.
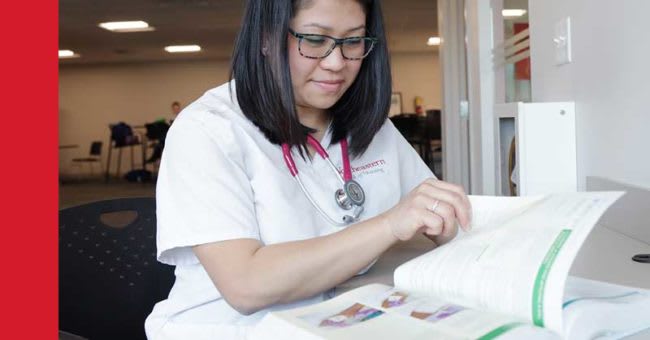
(109, 278)
(434, 124)
(96, 148)
(157, 130)
(122, 134)
(410, 126)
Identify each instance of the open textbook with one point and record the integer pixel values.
(507, 278)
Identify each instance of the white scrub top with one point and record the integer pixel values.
(221, 179)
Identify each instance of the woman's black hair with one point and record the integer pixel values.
(260, 68)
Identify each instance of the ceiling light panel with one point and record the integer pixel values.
(433, 41)
(126, 26)
(64, 54)
(183, 48)
(513, 13)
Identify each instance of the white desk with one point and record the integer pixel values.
(605, 256)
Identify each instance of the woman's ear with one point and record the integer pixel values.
(265, 50)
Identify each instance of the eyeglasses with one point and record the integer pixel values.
(318, 46)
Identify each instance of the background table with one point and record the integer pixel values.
(68, 146)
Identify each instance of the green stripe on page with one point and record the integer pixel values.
(542, 275)
(499, 331)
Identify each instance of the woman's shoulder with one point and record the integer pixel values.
(216, 106)
(388, 128)
(389, 139)
(387, 133)
(214, 117)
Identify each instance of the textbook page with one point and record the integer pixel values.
(515, 265)
(382, 312)
(497, 210)
(594, 309)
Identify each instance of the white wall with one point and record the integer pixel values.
(91, 97)
(417, 74)
(608, 80)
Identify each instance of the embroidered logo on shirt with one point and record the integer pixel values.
(367, 169)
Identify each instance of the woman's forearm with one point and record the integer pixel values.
(297, 270)
(252, 277)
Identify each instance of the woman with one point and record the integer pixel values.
(245, 235)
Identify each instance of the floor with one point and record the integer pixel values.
(73, 193)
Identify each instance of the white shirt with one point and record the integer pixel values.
(221, 179)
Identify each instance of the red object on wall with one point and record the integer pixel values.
(522, 67)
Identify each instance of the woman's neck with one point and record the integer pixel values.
(316, 119)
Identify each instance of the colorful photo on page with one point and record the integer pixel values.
(436, 315)
(395, 299)
(355, 314)
(389, 299)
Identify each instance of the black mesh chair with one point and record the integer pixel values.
(109, 278)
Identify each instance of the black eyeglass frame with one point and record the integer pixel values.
(337, 42)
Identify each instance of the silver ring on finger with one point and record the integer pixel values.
(434, 206)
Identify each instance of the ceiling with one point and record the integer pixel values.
(212, 24)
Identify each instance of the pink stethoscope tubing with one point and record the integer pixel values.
(346, 180)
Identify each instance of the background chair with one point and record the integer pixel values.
(94, 157)
(410, 127)
(424, 134)
(121, 136)
(413, 128)
(433, 136)
(156, 134)
(109, 278)
(156, 130)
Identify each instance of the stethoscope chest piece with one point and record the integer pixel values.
(352, 194)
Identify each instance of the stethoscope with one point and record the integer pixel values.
(350, 197)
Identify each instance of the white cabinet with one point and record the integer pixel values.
(543, 157)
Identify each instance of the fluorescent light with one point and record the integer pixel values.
(67, 54)
(433, 41)
(512, 13)
(183, 48)
(126, 26)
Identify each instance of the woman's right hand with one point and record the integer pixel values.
(432, 207)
